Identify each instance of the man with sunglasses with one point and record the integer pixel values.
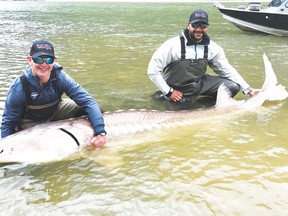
(35, 96)
(178, 67)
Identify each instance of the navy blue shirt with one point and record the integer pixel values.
(15, 104)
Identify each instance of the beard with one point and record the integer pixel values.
(196, 35)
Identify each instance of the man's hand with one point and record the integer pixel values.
(176, 95)
(98, 141)
(253, 92)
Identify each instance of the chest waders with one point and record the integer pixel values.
(185, 74)
(39, 112)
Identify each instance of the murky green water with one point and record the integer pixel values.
(231, 166)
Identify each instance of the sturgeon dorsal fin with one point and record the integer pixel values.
(224, 97)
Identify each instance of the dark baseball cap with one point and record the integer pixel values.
(42, 48)
(199, 16)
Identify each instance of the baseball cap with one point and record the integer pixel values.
(199, 16)
(42, 48)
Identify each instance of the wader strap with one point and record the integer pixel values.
(183, 51)
(25, 86)
(205, 52)
(54, 81)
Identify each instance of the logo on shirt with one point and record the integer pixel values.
(34, 95)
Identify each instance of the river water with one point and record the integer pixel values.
(235, 165)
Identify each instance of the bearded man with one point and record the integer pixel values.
(178, 67)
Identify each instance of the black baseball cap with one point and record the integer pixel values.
(42, 48)
(199, 16)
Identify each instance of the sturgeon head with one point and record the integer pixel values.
(45, 142)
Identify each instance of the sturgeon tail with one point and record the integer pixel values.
(276, 91)
(270, 91)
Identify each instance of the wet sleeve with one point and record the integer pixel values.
(83, 99)
(13, 111)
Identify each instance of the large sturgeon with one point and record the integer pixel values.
(58, 140)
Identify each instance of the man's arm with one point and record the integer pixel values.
(13, 111)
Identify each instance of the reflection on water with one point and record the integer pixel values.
(229, 166)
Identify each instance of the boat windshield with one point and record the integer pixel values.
(276, 3)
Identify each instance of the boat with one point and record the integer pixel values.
(271, 20)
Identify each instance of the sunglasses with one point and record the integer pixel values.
(199, 25)
(40, 60)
